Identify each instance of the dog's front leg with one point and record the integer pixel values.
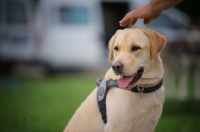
(120, 110)
(112, 128)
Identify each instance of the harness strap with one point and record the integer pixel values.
(103, 87)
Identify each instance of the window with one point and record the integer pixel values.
(161, 21)
(15, 12)
(164, 22)
(73, 15)
(2, 12)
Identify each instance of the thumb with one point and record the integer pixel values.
(147, 20)
(134, 20)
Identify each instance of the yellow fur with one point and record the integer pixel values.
(126, 111)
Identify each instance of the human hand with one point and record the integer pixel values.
(145, 12)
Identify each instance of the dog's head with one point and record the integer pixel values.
(135, 52)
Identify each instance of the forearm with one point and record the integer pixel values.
(148, 12)
(160, 5)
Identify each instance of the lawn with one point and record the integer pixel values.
(41, 105)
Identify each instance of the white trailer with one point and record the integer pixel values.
(73, 33)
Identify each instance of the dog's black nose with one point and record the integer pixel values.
(117, 67)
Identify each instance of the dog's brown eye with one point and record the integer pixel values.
(134, 48)
(116, 48)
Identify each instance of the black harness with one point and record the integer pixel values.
(103, 87)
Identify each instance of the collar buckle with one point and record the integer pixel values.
(140, 91)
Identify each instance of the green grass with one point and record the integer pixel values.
(178, 123)
(41, 105)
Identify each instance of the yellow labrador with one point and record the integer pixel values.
(136, 63)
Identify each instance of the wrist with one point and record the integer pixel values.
(161, 5)
(154, 7)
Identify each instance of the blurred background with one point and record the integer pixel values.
(52, 52)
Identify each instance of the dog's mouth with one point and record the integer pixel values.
(129, 81)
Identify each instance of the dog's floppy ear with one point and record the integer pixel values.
(157, 42)
(111, 43)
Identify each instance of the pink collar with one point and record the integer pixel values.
(149, 85)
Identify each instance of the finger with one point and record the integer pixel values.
(134, 20)
(147, 20)
(125, 20)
